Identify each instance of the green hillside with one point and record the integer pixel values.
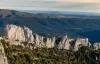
(55, 25)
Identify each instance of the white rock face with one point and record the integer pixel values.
(15, 32)
(28, 35)
(64, 43)
(96, 46)
(68, 44)
(81, 42)
(43, 42)
(24, 34)
(50, 42)
(3, 58)
(38, 41)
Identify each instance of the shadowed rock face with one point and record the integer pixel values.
(96, 46)
(3, 58)
(24, 34)
(81, 42)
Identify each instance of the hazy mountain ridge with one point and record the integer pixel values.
(56, 25)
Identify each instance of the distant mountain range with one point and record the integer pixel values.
(53, 24)
(62, 13)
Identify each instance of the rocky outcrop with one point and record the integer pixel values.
(81, 42)
(96, 46)
(28, 35)
(64, 42)
(15, 33)
(3, 58)
(45, 42)
(18, 34)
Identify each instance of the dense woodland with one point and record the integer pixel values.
(24, 55)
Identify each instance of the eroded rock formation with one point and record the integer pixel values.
(24, 34)
(15, 33)
(81, 42)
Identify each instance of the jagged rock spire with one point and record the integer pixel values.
(24, 34)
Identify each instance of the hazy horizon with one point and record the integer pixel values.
(61, 12)
(91, 6)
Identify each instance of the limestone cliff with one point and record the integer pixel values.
(24, 34)
(15, 32)
(81, 42)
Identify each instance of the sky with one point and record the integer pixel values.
(52, 5)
